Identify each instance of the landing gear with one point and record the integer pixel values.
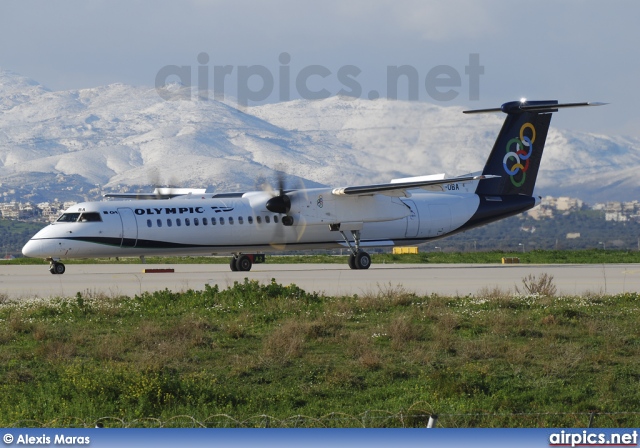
(55, 267)
(244, 262)
(363, 260)
(358, 259)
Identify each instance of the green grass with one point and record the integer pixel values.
(588, 256)
(493, 359)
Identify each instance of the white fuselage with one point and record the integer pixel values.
(203, 225)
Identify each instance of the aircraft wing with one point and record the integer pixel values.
(158, 193)
(139, 196)
(399, 189)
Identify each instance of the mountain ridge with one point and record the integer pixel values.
(126, 137)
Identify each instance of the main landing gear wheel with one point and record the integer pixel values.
(241, 263)
(358, 259)
(56, 268)
(362, 260)
(352, 261)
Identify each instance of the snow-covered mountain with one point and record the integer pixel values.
(119, 135)
(124, 135)
(419, 138)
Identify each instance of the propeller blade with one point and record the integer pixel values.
(281, 181)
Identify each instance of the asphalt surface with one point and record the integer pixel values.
(454, 280)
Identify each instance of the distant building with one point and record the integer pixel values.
(565, 203)
(16, 210)
(613, 207)
(540, 212)
(615, 216)
(50, 211)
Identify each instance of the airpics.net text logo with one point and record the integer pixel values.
(590, 438)
(253, 84)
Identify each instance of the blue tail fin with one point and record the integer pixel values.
(517, 152)
(514, 159)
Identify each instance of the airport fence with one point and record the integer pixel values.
(410, 418)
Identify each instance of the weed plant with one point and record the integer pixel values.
(223, 357)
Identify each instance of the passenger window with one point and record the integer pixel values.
(187, 222)
(196, 222)
(240, 220)
(204, 221)
(259, 219)
(230, 220)
(149, 223)
(159, 222)
(221, 221)
(250, 219)
(267, 220)
(213, 221)
(275, 219)
(178, 222)
(169, 223)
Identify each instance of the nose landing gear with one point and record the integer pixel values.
(244, 262)
(56, 268)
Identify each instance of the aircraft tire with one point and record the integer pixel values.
(57, 268)
(352, 261)
(243, 263)
(233, 265)
(363, 260)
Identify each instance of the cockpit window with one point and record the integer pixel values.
(90, 217)
(69, 217)
(80, 217)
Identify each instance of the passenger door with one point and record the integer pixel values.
(129, 227)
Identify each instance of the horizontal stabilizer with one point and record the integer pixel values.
(515, 107)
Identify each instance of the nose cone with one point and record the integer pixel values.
(32, 249)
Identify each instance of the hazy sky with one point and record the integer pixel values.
(566, 50)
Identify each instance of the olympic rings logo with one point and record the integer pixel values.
(519, 156)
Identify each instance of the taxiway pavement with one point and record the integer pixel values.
(444, 279)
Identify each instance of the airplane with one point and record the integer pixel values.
(249, 224)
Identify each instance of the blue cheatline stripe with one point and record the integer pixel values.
(156, 244)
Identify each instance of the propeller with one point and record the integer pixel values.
(281, 203)
(160, 191)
